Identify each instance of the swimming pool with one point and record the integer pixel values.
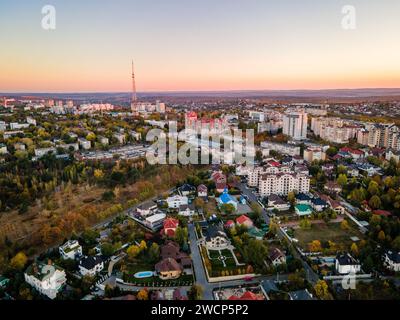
(144, 274)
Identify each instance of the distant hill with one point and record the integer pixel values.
(268, 95)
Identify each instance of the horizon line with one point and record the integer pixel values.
(200, 91)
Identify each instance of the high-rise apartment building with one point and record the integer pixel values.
(295, 124)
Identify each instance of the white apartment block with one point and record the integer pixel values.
(257, 115)
(271, 126)
(283, 183)
(17, 126)
(295, 125)
(314, 153)
(335, 130)
(382, 135)
(283, 148)
(40, 152)
(46, 278)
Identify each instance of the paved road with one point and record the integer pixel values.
(199, 271)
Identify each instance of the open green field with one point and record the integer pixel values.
(327, 232)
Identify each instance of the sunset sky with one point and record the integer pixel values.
(180, 45)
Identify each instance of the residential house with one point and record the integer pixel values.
(168, 269)
(247, 296)
(220, 187)
(169, 227)
(70, 250)
(48, 279)
(179, 295)
(333, 187)
(230, 224)
(303, 198)
(218, 177)
(104, 141)
(147, 208)
(187, 210)
(392, 260)
(277, 257)
(245, 221)
(176, 201)
(346, 264)
(120, 137)
(136, 135)
(226, 198)
(186, 189)
(85, 144)
(276, 202)
(155, 221)
(202, 191)
(91, 265)
(319, 205)
(215, 238)
(172, 250)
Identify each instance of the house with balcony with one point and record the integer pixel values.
(47, 279)
(70, 250)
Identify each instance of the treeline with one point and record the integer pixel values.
(23, 181)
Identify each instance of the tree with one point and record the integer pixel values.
(227, 208)
(381, 236)
(344, 225)
(98, 174)
(322, 290)
(181, 235)
(396, 243)
(342, 180)
(199, 203)
(375, 202)
(133, 251)
(373, 188)
(255, 252)
(291, 198)
(195, 292)
(19, 261)
(331, 151)
(107, 249)
(305, 224)
(315, 246)
(143, 295)
(154, 252)
(354, 249)
(255, 207)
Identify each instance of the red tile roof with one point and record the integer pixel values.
(242, 219)
(248, 295)
(171, 223)
(382, 213)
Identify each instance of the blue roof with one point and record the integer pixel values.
(302, 196)
(226, 198)
(319, 202)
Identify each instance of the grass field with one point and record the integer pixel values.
(327, 232)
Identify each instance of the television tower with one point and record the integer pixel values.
(134, 97)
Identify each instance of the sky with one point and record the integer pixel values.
(193, 45)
